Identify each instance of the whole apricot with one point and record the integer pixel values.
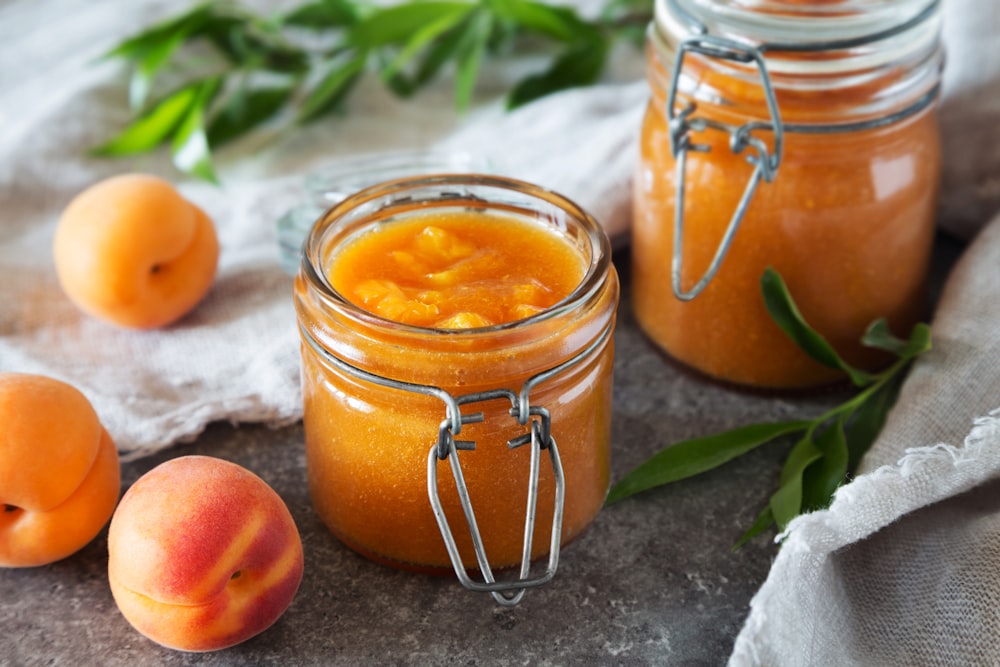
(59, 471)
(203, 554)
(132, 251)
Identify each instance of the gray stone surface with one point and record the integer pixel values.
(652, 581)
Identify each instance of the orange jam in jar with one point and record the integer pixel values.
(798, 136)
(457, 322)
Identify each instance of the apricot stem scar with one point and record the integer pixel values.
(236, 574)
(9, 508)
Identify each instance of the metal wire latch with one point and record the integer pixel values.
(507, 593)
(682, 123)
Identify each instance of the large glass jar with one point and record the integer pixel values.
(388, 404)
(799, 136)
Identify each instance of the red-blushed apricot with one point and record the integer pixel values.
(132, 251)
(202, 554)
(59, 471)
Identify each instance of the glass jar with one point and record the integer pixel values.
(793, 135)
(508, 408)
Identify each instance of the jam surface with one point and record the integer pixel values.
(456, 270)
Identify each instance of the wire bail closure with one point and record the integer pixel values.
(682, 123)
(506, 593)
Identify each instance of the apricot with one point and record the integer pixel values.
(59, 471)
(203, 554)
(132, 251)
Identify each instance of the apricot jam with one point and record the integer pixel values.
(456, 270)
(847, 218)
(457, 286)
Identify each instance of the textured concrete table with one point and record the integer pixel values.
(652, 581)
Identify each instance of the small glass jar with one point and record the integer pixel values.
(511, 407)
(793, 135)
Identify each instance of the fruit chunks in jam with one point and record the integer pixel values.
(456, 270)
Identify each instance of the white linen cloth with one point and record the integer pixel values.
(900, 570)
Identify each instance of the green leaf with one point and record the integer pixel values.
(642, 9)
(148, 64)
(189, 147)
(134, 47)
(449, 45)
(868, 418)
(228, 34)
(763, 521)
(323, 14)
(503, 37)
(695, 456)
(400, 84)
(253, 44)
(786, 502)
(578, 66)
(470, 55)
(786, 315)
(151, 129)
(439, 53)
(879, 336)
(559, 23)
(821, 479)
(150, 50)
(246, 109)
(396, 24)
(332, 89)
(424, 36)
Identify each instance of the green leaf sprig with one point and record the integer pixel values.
(829, 447)
(237, 69)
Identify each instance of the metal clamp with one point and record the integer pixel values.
(681, 124)
(507, 593)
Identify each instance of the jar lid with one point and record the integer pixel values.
(824, 36)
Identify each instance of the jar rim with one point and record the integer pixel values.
(365, 205)
(859, 35)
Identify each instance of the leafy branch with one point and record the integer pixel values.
(237, 69)
(829, 447)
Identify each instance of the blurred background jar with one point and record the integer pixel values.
(793, 135)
